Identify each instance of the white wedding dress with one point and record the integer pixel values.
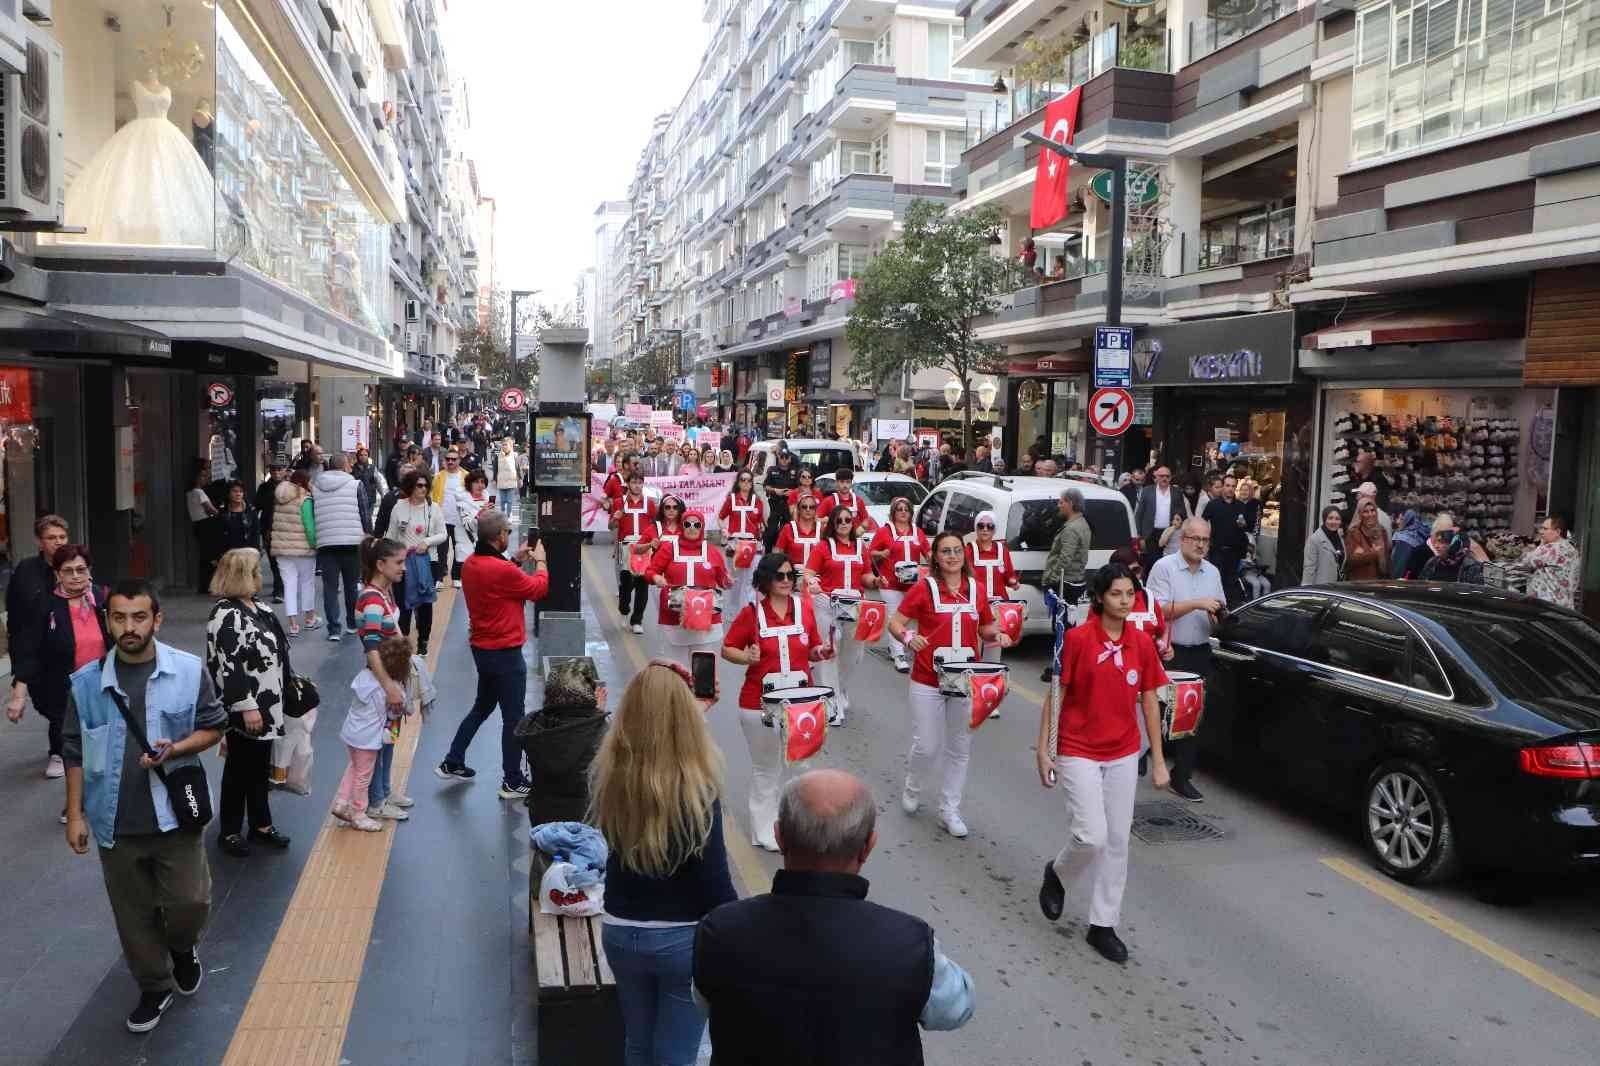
(146, 185)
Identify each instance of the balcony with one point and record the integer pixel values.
(866, 202)
(1212, 33)
(1247, 239)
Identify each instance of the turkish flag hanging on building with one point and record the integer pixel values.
(1050, 180)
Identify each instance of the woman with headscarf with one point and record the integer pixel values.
(1324, 561)
(990, 560)
(1409, 549)
(840, 562)
(725, 462)
(1366, 545)
(687, 562)
(1456, 556)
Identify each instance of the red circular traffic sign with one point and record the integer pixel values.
(219, 394)
(512, 400)
(1111, 411)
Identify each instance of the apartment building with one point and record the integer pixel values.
(609, 217)
(757, 200)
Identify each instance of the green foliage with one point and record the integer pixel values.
(917, 304)
(1046, 57)
(652, 370)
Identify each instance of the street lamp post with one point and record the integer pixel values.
(1118, 165)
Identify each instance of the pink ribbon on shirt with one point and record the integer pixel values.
(1113, 652)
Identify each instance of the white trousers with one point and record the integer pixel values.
(894, 598)
(299, 584)
(679, 644)
(942, 735)
(1099, 818)
(766, 776)
(847, 653)
(741, 593)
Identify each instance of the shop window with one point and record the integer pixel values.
(40, 457)
(1263, 233)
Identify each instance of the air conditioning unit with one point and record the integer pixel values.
(13, 45)
(412, 336)
(32, 149)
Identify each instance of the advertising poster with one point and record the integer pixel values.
(560, 451)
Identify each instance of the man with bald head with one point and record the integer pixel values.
(1190, 591)
(812, 972)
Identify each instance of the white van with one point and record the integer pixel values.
(1028, 509)
(822, 456)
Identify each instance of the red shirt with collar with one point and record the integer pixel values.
(939, 626)
(902, 547)
(1101, 682)
(496, 589)
(798, 544)
(852, 500)
(639, 523)
(996, 576)
(1148, 617)
(830, 561)
(746, 630)
(737, 519)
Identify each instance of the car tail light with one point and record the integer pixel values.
(1562, 760)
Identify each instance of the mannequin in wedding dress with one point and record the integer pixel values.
(147, 184)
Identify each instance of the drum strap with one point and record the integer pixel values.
(993, 568)
(908, 542)
(689, 561)
(955, 608)
(849, 561)
(805, 542)
(771, 629)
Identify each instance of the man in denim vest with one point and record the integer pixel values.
(156, 875)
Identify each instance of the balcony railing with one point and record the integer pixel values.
(1258, 236)
(1221, 28)
(1148, 50)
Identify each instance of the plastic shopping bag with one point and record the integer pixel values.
(558, 895)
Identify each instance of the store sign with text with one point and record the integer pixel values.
(1244, 350)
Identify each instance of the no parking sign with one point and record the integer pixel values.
(1111, 411)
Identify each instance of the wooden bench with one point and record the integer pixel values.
(579, 1019)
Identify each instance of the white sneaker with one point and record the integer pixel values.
(993, 715)
(952, 823)
(341, 811)
(637, 628)
(836, 717)
(902, 665)
(908, 802)
(55, 768)
(366, 825)
(391, 812)
(403, 802)
(458, 582)
(767, 845)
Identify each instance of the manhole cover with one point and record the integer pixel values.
(1167, 822)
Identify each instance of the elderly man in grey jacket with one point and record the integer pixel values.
(343, 519)
(1065, 567)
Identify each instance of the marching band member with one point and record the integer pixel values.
(897, 541)
(802, 533)
(1110, 672)
(990, 560)
(743, 512)
(774, 633)
(949, 613)
(686, 562)
(630, 517)
(840, 562)
(669, 519)
(845, 495)
(807, 486)
(1147, 617)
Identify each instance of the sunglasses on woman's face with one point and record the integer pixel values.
(691, 525)
(952, 551)
(985, 525)
(784, 575)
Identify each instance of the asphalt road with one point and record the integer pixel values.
(1276, 943)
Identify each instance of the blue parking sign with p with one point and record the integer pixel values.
(1113, 357)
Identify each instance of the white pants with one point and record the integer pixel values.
(1099, 818)
(942, 734)
(847, 653)
(292, 753)
(894, 598)
(741, 593)
(299, 584)
(678, 643)
(990, 652)
(766, 775)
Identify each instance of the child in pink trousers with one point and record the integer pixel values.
(364, 725)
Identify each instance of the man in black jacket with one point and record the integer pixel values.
(812, 972)
(32, 581)
(380, 527)
(264, 502)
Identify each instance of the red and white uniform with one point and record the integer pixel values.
(796, 493)
(852, 500)
(687, 564)
(902, 548)
(613, 489)
(634, 518)
(947, 619)
(996, 576)
(840, 567)
(1148, 617)
(797, 543)
(740, 516)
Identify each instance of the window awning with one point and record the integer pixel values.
(1415, 327)
(52, 332)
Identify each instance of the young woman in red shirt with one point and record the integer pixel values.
(743, 513)
(897, 541)
(668, 528)
(840, 563)
(631, 517)
(949, 612)
(775, 633)
(801, 534)
(1110, 671)
(806, 486)
(687, 561)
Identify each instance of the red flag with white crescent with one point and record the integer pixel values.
(1050, 180)
(699, 609)
(987, 692)
(805, 728)
(638, 561)
(1009, 617)
(870, 620)
(1189, 703)
(744, 556)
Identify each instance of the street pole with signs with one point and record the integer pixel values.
(519, 349)
(1118, 166)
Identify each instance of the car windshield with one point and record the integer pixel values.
(885, 492)
(1531, 658)
(1033, 524)
(824, 460)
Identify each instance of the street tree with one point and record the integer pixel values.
(917, 304)
(652, 370)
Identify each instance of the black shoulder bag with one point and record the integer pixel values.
(187, 790)
(300, 695)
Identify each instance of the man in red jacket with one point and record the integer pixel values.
(496, 590)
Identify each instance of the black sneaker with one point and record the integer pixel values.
(147, 1015)
(187, 971)
(448, 770)
(422, 648)
(1105, 940)
(514, 790)
(1184, 788)
(1052, 894)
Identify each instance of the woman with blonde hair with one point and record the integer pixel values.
(656, 786)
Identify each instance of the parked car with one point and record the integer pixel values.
(822, 456)
(1029, 512)
(880, 490)
(1459, 724)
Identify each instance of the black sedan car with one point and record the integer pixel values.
(1461, 722)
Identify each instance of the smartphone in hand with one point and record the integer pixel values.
(703, 667)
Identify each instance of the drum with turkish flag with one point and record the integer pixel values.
(699, 609)
(988, 685)
(744, 555)
(1183, 704)
(801, 717)
(873, 616)
(1008, 614)
(638, 561)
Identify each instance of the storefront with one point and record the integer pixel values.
(1225, 396)
(1046, 408)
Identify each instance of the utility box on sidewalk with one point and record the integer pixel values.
(559, 451)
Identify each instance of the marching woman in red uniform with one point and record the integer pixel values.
(669, 526)
(687, 561)
(990, 560)
(807, 486)
(630, 517)
(897, 541)
(743, 512)
(845, 495)
(802, 534)
(775, 633)
(1110, 672)
(840, 562)
(949, 612)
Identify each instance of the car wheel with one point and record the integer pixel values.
(1407, 826)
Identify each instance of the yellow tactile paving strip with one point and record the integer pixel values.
(301, 1005)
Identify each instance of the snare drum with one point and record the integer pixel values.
(675, 599)
(906, 573)
(775, 701)
(952, 664)
(846, 604)
(732, 545)
(1183, 704)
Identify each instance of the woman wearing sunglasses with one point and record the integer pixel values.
(743, 514)
(687, 562)
(990, 560)
(806, 487)
(801, 534)
(897, 541)
(949, 612)
(668, 528)
(840, 562)
(777, 633)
